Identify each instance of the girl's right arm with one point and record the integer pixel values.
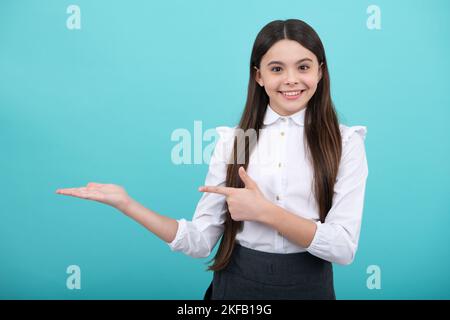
(116, 196)
(164, 227)
(195, 238)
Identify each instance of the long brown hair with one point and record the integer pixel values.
(322, 134)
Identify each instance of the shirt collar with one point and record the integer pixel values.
(271, 116)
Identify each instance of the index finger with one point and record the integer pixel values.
(215, 189)
(76, 192)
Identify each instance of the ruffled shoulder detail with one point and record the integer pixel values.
(224, 145)
(347, 132)
(225, 133)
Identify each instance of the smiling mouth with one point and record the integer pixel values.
(292, 94)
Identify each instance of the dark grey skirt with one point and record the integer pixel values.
(255, 275)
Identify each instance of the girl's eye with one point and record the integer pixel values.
(275, 68)
(303, 68)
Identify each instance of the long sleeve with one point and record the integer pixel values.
(336, 240)
(198, 237)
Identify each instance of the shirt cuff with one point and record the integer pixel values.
(318, 242)
(175, 245)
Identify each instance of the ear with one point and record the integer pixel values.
(320, 71)
(258, 76)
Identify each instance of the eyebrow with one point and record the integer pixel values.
(281, 63)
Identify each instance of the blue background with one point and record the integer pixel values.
(100, 104)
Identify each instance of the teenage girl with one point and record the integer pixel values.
(286, 201)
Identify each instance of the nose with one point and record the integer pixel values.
(293, 82)
(291, 79)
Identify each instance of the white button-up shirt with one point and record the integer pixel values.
(280, 167)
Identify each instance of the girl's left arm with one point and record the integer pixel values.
(297, 229)
(335, 240)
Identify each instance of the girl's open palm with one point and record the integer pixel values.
(109, 194)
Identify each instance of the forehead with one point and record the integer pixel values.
(287, 51)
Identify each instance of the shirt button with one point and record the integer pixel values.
(282, 133)
(278, 198)
(283, 119)
(279, 164)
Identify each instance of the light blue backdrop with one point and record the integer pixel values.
(100, 104)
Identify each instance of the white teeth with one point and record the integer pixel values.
(292, 93)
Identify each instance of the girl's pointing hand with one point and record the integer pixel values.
(109, 194)
(246, 203)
